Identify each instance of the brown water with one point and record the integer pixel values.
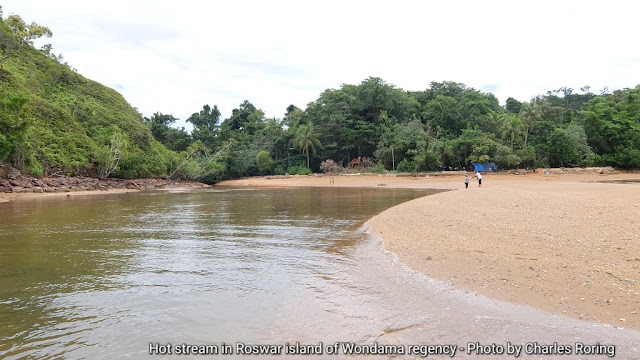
(102, 277)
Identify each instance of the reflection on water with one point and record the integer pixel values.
(104, 276)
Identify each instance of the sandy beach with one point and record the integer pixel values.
(568, 244)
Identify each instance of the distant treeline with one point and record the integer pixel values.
(446, 126)
(53, 120)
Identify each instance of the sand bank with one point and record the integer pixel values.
(178, 187)
(568, 244)
(6, 197)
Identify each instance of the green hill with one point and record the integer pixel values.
(55, 121)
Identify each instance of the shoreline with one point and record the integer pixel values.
(528, 239)
(10, 197)
(101, 187)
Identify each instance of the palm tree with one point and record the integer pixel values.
(530, 113)
(305, 139)
(512, 128)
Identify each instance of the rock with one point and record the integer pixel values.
(5, 189)
(23, 183)
(38, 189)
(13, 173)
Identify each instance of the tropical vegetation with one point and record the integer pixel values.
(55, 121)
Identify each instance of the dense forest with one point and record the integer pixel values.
(55, 121)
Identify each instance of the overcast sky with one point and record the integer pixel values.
(176, 56)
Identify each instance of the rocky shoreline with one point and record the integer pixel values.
(12, 181)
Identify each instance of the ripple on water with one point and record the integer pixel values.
(204, 267)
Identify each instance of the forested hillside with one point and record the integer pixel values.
(53, 120)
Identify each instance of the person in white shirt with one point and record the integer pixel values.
(479, 176)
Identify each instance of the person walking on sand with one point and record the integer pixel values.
(466, 182)
(479, 176)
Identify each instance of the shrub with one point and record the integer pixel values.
(331, 167)
(406, 166)
(264, 161)
(379, 168)
(299, 170)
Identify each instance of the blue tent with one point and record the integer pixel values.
(485, 167)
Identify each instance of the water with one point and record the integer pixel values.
(103, 277)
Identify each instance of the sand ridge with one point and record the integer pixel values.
(568, 244)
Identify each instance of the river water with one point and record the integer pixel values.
(118, 276)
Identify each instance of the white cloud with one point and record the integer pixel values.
(175, 57)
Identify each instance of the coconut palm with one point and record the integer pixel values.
(529, 112)
(512, 128)
(305, 140)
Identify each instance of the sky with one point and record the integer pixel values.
(174, 57)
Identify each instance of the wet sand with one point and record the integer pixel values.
(568, 244)
(7, 197)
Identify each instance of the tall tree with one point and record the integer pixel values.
(207, 118)
(512, 128)
(174, 139)
(562, 149)
(512, 105)
(245, 119)
(206, 125)
(530, 113)
(24, 36)
(305, 140)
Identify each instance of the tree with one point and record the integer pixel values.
(305, 140)
(426, 155)
(206, 125)
(245, 119)
(512, 128)
(513, 106)
(505, 157)
(334, 116)
(444, 112)
(264, 160)
(108, 158)
(611, 124)
(24, 36)
(14, 128)
(579, 140)
(530, 113)
(292, 116)
(174, 139)
(562, 149)
(207, 118)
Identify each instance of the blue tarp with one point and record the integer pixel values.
(484, 167)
